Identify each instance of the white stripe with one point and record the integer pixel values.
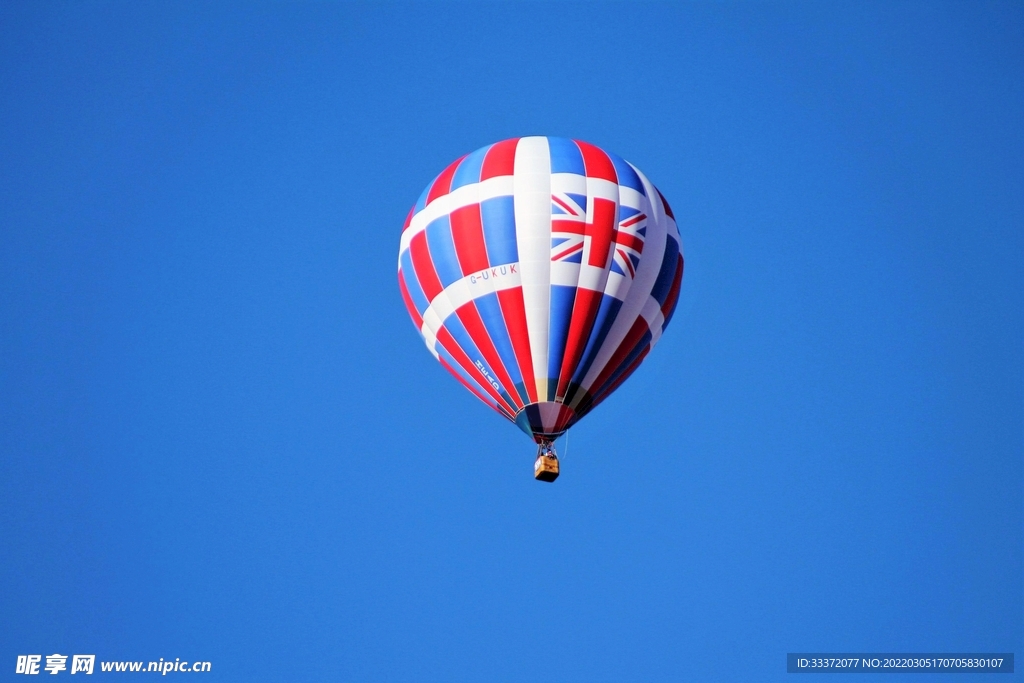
(592, 277)
(461, 292)
(532, 202)
(655, 320)
(631, 198)
(595, 187)
(466, 195)
(568, 183)
(617, 286)
(640, 290)
(565, 274)
(602, 189)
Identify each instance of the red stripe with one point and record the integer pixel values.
(474, 325)
(568, 209)
(673, 293)
(627, 261)
(627, 240)
(443, 184)
(567, 251)
(500, 159)
(424, 266)
(574, 227)
(633, 337)
(409, 305)
(604, 393)
(632, 221)
(566, 416)
(600, 231)
(445, 339)
(584, 311)
(476, 392)
(597, 163)
(668, 209)
(468, 235)
(514, 312)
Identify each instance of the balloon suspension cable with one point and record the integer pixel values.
(546, 448)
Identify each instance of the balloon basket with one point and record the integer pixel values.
(545, 468)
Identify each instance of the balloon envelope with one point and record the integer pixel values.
(540, 271)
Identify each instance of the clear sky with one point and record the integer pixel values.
(221, 438)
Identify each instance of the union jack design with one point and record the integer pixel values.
(568, 233)
(568, 224)
(629, 241)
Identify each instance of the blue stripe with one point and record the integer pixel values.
(566, 156)
(468, 171)
(581, 202)
(668, 270)
(627, 176)
(419, 299)
(442, 251)
(575, 258)
(490, 312)
(421, 203)
(498, 216)
(627, 212)
(641, 345)
(462, 373)
(562, 299)
(465, 342)
(523, 421)
(533, 416)
(606, 314)
(668, 318)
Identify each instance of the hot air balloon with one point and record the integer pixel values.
(540, 272)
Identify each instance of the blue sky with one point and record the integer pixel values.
(221, 438)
